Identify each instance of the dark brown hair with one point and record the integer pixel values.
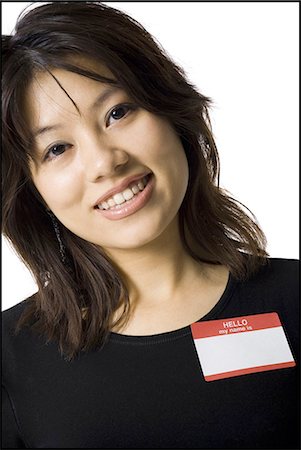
(214, 227)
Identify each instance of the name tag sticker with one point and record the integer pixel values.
(241, 345)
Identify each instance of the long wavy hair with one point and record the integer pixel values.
(214, 227)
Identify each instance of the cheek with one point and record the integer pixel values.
(162, 150)
(152, 138)
(172, 157)
(59, 190)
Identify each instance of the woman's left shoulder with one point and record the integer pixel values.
(280, 272)
(284, 264)
(276, 287)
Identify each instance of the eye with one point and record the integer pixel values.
(118, 112)
(55, 150)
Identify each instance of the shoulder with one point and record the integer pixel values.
(22, 346)
(275, 288)
(14, 311)
(11, 316)
(278, 273)
(15, 339)
(285, 267)
(278, 277)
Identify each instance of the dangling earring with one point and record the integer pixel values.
(58, 235)
(203, 143)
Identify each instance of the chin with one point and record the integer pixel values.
(146, 236)
(136, 238)
(131, 243)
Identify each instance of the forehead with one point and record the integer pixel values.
(58, 91)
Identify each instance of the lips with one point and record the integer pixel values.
(124, 208)
(120, 187)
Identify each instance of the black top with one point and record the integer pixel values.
(149, 391)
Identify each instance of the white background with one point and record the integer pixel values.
(244, 55)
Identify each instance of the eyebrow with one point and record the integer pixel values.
(104, 96)
(44, 130)
(99, 100)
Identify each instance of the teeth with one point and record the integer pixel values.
(122, 197)
(135, 189)
(111, 202)
(118, 199)
(141, 185)
(128, 194)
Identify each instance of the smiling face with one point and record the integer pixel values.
(113, 173)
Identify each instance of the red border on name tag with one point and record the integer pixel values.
(236, 326)
(241, 324)
(235, 373)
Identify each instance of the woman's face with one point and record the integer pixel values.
(114, 174)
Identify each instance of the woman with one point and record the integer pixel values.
(111, 198)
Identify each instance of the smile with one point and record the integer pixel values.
(128, 201)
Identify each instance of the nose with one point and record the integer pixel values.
(101, 159)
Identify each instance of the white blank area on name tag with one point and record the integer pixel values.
(243, 350)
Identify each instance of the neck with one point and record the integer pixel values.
(167, 288)
(154, 272)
